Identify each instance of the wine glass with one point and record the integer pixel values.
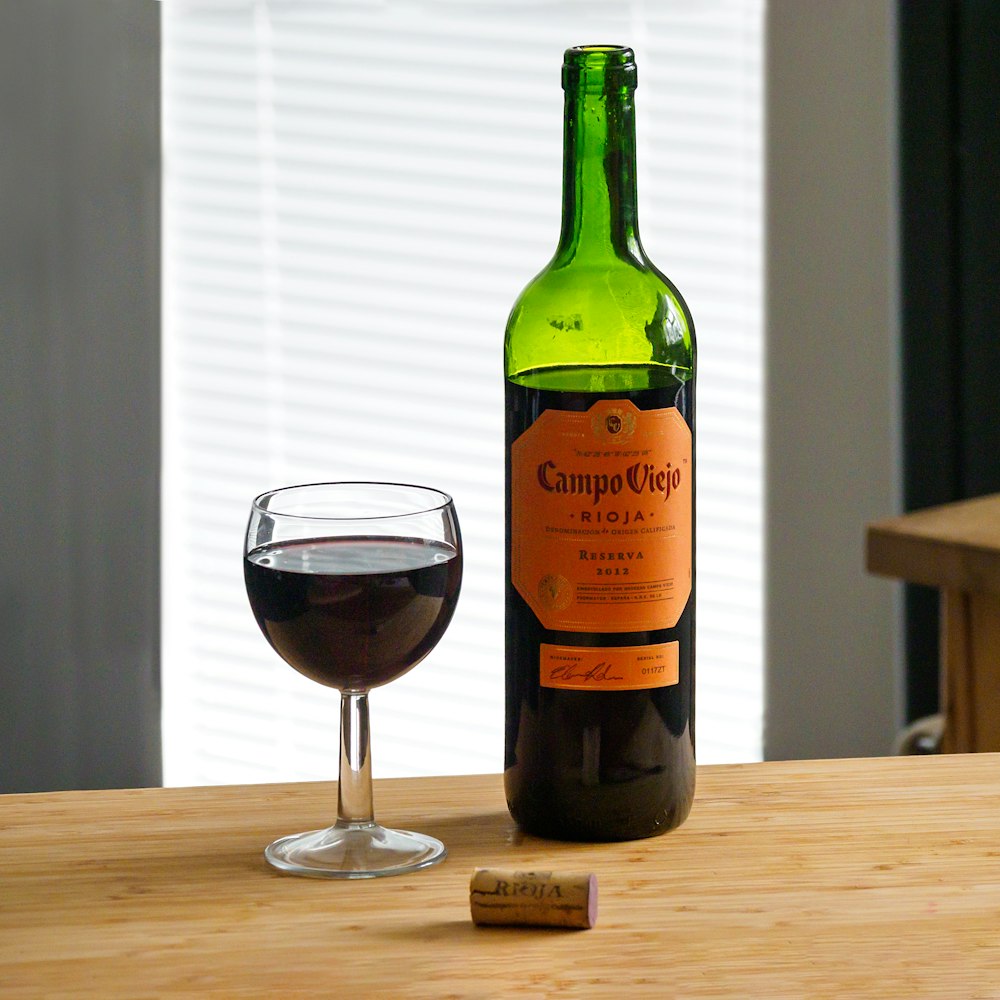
(353, 584)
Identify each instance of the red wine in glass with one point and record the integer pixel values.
(353, 613)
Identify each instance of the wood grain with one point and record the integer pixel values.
(845, 879)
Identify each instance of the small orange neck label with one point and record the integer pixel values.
(611, 668)
(601, 517)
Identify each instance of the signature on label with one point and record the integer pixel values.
(597, 674)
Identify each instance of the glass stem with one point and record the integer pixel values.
(354, 790)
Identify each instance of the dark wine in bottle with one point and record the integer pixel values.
(599, 366)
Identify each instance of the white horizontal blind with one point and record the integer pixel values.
(354, 195)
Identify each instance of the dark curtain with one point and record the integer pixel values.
(949, 93)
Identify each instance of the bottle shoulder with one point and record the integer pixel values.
(620, 312)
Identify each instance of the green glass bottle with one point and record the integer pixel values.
(599, 366)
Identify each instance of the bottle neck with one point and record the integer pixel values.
(599, 220)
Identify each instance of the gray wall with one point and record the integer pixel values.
(79, 394)
(832, 684)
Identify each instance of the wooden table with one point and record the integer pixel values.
(956, 548)
(844, 879)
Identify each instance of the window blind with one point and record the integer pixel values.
(354, 194)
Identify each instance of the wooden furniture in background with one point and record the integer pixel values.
(956, 548)
(820, 879)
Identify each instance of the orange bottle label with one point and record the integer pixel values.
(611, 668)
(601, 512)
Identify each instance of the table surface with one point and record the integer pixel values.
(954, 545)
(846, 879)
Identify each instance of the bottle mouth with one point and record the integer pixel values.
(596, 68)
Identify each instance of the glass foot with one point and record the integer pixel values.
(367, 851)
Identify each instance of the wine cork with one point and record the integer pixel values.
(534, 899)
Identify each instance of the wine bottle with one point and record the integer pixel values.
(599, 366)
